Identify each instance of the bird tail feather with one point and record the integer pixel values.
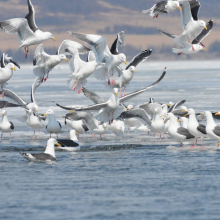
(175, 50)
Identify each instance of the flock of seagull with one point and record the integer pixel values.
(178, 121)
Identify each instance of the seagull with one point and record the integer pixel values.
(102, 53)
(78, 125)
(53, 126)
(162, 7)
(212, 130)
(34, 122)
(194, 128)
(127, 75)
(109, 109)
(26, 29)
(175, 131)
(69, 145)
(6, 74)
(6, 125)
(27, 106)
(187, 48)
(191, 25)
(44, 63)
(100, 130)
(80, 69)
(6, 60)
(47, 156)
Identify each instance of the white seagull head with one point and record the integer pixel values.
(132, 69)
(63, 57)
(202, 24)
(122, 57)
(130, 107)
(11, 66)
(4, 112)
(115, 91)
(49, 112)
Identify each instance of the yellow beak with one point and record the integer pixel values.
(116, 93)
(125, 62)
(178, 120)
(203, 48)
(123, 131)
(2, 114)
(205, 27)
(133, 71)
(70, 111)
(155, 111)
(165, 120)
(201, 113)
(162, 116)
(179, 8)
(217, 113)
(127, 108)
(37, 111)
(77, 133)
(169, 105)
(57, 144)
(14, 69)
(45, 114)
(66, 59)
(183, 110)
(54, 38)
(185, 115)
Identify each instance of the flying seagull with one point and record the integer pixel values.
(26, 29)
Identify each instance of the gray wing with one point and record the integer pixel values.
(17, 26)
(43, 157)
(176, 105)
(161, 7)
(195, 6)
(136, 113)
(91, 56)
(3, 61)
(141, 57)
(90, 107)
(120, 40)
(97, 43)
(185, 132)
(87, 118)
(13, 96)
(185, 13)
(216, 131)
(5, 104)
(204, 33)
(92, 96)
(179, 112)
(202, 128)
(31, 17)
(69, 43)
(132, 95)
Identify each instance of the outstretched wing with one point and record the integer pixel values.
(31, 17)
(204, 33)
(13, 96)
(141, 57)
(136, 113)
(186, 15)
(120, 40)
(69, 43)
(93, 96)
(17, 26)
(195, 6)
(176, 105)
(6, 104)
(132, 95)
(97, 43)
